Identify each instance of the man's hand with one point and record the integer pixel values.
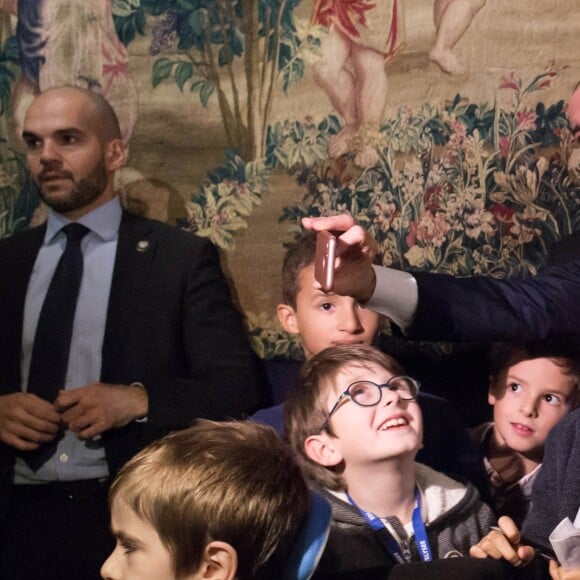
(558, 572)
(504, 543)
(26, 421)
(92, 409)
(355, 251)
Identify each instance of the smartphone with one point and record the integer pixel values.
(324, 264)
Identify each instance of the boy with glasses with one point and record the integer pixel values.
(323, 320)
(355, 424)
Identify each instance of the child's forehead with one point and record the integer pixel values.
(306, 280)
(357, 370)
(544, 372)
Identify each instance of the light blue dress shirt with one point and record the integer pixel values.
(74, 459)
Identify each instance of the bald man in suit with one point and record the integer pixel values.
(156, 342)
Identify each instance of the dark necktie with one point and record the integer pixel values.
(50, 352)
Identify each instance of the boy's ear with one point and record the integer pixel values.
(218, 562)
(322, 449)
(287, 317)
(491, 386)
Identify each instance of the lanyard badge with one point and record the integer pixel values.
(399, 548)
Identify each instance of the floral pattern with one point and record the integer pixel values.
(463, 188)
(469, 189)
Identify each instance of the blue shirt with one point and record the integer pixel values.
(74, 459)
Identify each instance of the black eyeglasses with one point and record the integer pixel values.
(369, 394)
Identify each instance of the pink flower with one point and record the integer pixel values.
(432, 229)
(504, 146)
(526, 119)
(510, 82)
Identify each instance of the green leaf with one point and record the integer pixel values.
(206, 92)
(161, 70)
(183, 72)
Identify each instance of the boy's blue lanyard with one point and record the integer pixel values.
(390, 543)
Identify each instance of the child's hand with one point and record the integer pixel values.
(503, 542)
(557, 572)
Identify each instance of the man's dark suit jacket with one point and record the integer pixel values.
(171, 325)
(556, 493)
(482, 308)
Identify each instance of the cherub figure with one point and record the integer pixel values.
(452, 18)
(351, 69)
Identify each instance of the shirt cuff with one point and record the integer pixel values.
(396, 296)
(142, 386)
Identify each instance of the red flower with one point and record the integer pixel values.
(411, 237)
(432, 198)
(502, 213)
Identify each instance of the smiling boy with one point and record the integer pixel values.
(355, 424)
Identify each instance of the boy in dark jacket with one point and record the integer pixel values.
(356, 426)
(556, 495)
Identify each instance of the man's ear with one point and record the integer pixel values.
(323, 450)
(287, 318)
(218, 562)
(115, 155)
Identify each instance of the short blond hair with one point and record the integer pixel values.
(234, 481)
(305, 410)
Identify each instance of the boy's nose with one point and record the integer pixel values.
(108, 568)
(389, 396)
(349, 320)
(529, 407)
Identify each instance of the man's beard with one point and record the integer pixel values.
(83, 193)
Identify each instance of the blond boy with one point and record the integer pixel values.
(218, 501)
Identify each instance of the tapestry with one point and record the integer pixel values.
(440, 126)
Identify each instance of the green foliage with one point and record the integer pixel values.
(226, 199)
(9, 66)
(269, 340)
(12, 213)
(207, 33)
(464, 190)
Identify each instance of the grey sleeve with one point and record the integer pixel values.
(395, 296)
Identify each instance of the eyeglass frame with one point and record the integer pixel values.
(346, 395)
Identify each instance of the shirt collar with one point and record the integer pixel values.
(104, 221)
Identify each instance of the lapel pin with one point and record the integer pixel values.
(142, 246)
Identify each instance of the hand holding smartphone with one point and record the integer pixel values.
(324, 262)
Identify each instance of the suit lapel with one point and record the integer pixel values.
(19, 263)
(135, 251)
